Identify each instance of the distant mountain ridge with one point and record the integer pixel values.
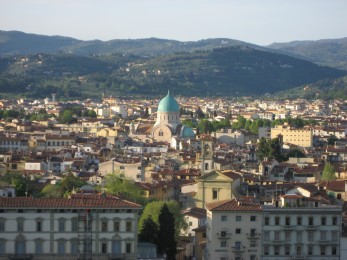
(15, 42)
(327, 52)
(36, 66)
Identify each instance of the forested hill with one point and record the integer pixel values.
(14, 42)
(228, 71)
(329, 52)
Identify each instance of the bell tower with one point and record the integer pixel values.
(206, 156)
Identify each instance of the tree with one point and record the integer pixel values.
(263, 149)
(166, 233)
(67, 117)
(199, 113)
(124, 187)
(276, 149)
(153, 209)
(328, 173)
(52, 191)
(71, 182)
(269, 148)
(332, 139)
(149, 231)
(296, 153)
(19, 182)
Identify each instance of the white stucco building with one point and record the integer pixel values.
(87, 225)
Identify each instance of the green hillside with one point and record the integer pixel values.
(232, 71)
(332, 53)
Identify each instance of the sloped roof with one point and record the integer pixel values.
(234, 205)
(85, 202)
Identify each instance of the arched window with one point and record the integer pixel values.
(338, 196)
(161, 133)
(206, 166)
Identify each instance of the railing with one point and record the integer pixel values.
(20, 256)
(299, 257)
(289, 227)
(253, 235)
(238, 249)
(222, 235)
(311, 227)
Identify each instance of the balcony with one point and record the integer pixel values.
(238, 249)
(311, 227)
(289, 227)
(253, 235)
(298, 257)
(324, 242)
(20, 257)
(277, 242)
(223, 235)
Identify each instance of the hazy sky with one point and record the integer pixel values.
(256, 21)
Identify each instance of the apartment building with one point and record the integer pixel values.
(302, 137)
(301, 228)
(86, 226)
(292, 227)
(233, 229)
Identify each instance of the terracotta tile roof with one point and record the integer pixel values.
(234, 205)
(231, 175)
(85, 202)
(195, 212)
(336, 186)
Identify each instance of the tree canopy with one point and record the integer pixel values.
(328, 173)
(153, 209)
(166, 234)
(269, 148)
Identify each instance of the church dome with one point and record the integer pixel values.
(168, 104)
(187, 132)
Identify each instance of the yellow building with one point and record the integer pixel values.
(216, 186)
(301, 137)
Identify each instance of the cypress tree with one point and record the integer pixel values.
(166, 234)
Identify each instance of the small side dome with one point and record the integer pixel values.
(168, 104)
(187, 132)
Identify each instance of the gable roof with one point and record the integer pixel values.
(242, 204)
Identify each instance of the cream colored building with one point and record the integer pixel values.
(83, 227)
(233, 229)
(297, 227)
(216, 186)
(301, 137)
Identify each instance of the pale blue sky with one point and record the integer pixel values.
(256, 21)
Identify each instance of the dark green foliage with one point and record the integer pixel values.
(296, 153)
(126, 188)
(71, 182)
(332, 139)
(149, 231)
(232, 71)
(153, 209)
(328, 173)
(52, 191)
(269, 149)
(331, 53)
(21, 183)
(199, 114)
(166, 234)
(67, 117)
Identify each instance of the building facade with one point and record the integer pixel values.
(300, 137)
(82, 227)
(233, 230)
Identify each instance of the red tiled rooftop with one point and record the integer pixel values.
(91, 202)
(234, 205)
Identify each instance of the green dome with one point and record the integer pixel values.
(168, 104)
(187, 132)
